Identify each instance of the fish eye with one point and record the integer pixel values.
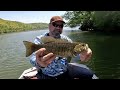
(83, 44)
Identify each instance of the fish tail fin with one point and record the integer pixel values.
(29, 49)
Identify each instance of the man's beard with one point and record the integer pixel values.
(56, 33)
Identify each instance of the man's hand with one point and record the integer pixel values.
(86, 55)
(44, 60)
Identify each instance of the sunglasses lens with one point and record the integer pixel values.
(56, 25)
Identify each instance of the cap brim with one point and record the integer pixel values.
(59, 20)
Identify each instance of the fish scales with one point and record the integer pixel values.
(62, 49)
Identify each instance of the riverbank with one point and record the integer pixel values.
(22, 31)
(117, 32)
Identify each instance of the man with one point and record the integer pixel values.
(51, 67)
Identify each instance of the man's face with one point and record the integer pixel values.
(56, 28)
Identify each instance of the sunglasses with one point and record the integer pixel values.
(56, 25)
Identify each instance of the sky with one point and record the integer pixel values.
(30, 16)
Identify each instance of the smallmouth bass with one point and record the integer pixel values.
(59, 47)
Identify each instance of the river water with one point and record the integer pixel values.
(105, 59)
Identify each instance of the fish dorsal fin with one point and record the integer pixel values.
(49, 39)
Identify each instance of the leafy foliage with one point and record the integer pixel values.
(107, 20)
(76, 18)
(94, 20)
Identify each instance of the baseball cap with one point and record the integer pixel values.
(56, 18)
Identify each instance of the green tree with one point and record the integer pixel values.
(107, 21)
(79, 18)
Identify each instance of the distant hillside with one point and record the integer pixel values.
(7, 26)
(39, 25)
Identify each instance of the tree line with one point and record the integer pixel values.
(105, 21)
(7, 26)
